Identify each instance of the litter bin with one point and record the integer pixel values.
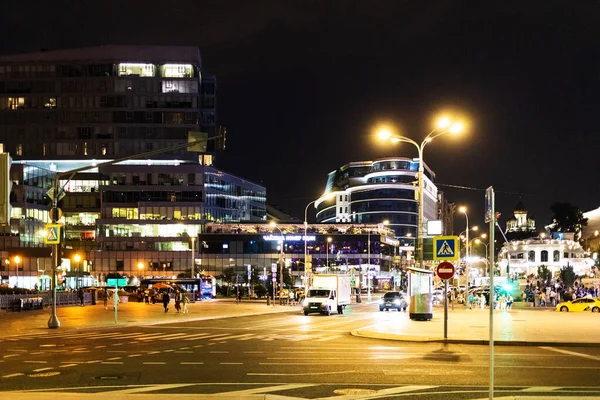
(94, 293)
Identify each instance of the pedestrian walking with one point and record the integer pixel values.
(185, 300)
(452, 298)
(166, 299)
(147, 296)
(482, 301)
(105, 299)
(80, 295)
(178, 300)
(292, 301)
(238, 296)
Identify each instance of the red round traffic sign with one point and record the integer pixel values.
(445, 270)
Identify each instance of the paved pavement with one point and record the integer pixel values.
(522, 326)
(129, 314)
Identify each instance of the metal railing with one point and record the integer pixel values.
(7, 301)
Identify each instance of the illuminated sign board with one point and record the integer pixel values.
(289, 238)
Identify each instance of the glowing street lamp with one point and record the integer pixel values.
(444, 125)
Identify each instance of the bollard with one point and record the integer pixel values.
(268, 300)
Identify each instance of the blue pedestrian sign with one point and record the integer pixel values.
(445, 248)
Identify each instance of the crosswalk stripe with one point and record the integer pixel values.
(173, 336)
(325, 339)
(149, 336)
(207, 337)
(128, 336)
(236, 337)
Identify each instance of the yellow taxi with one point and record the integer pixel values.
(584, 304)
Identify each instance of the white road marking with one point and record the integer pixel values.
(382, 392)
(10, 355)
(100, 347)
(154, 363)
(231, 363)
(134, 355)
(247, 335)
(115, 358)
(111, 362)
(183, 352)
(67, 365)
(173, 336)
(41, 369)
(300, 373)
(36, 362)
(266, 389)
(538, 389)
(116, 351)
(253, 352)
(13, 375)
(191, 363)
(206, 337)
(572, 353)
(325, 339)
(219, 352)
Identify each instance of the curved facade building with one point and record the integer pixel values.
(370, 192)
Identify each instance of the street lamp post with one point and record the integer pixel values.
(463, 210)
(327, 255)
(444, 126)
(193, 259)
(305, 240)
(17, 261)
(274, 225)
(77, 259)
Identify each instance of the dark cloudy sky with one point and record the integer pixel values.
(301, 83)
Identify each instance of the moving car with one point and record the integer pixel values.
(585, 304)
(393, 300)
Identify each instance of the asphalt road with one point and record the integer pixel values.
(286, 354)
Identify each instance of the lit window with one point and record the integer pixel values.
(103, 150)
(19, 150)
(178, 70)
(14, 103)
(50, 103)
(136, 69)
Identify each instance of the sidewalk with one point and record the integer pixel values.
(129, 314)
(528, 326)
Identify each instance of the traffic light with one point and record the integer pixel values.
(221, 140)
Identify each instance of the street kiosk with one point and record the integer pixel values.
(420, 290)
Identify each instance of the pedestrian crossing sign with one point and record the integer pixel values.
(445, 248)
(52, 233)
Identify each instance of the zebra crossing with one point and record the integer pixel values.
(148, 337)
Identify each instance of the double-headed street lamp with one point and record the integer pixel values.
(444, 125)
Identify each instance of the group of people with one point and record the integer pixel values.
(549, 295)
(502, 302)
(180, 298)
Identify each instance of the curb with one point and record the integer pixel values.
(478, 342)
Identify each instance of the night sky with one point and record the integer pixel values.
(302, 83)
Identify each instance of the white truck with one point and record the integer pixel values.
(327, 293)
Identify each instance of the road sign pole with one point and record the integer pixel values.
(491, 218)
(446, 309)
(116, 301)
(53, 322)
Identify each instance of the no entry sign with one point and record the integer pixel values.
(445, 270)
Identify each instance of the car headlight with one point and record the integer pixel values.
(397, 302)
(381, 301)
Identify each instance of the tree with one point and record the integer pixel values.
(260, 290)
(228, 276)
(568, 276)
(544, 274)
(567, 218)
